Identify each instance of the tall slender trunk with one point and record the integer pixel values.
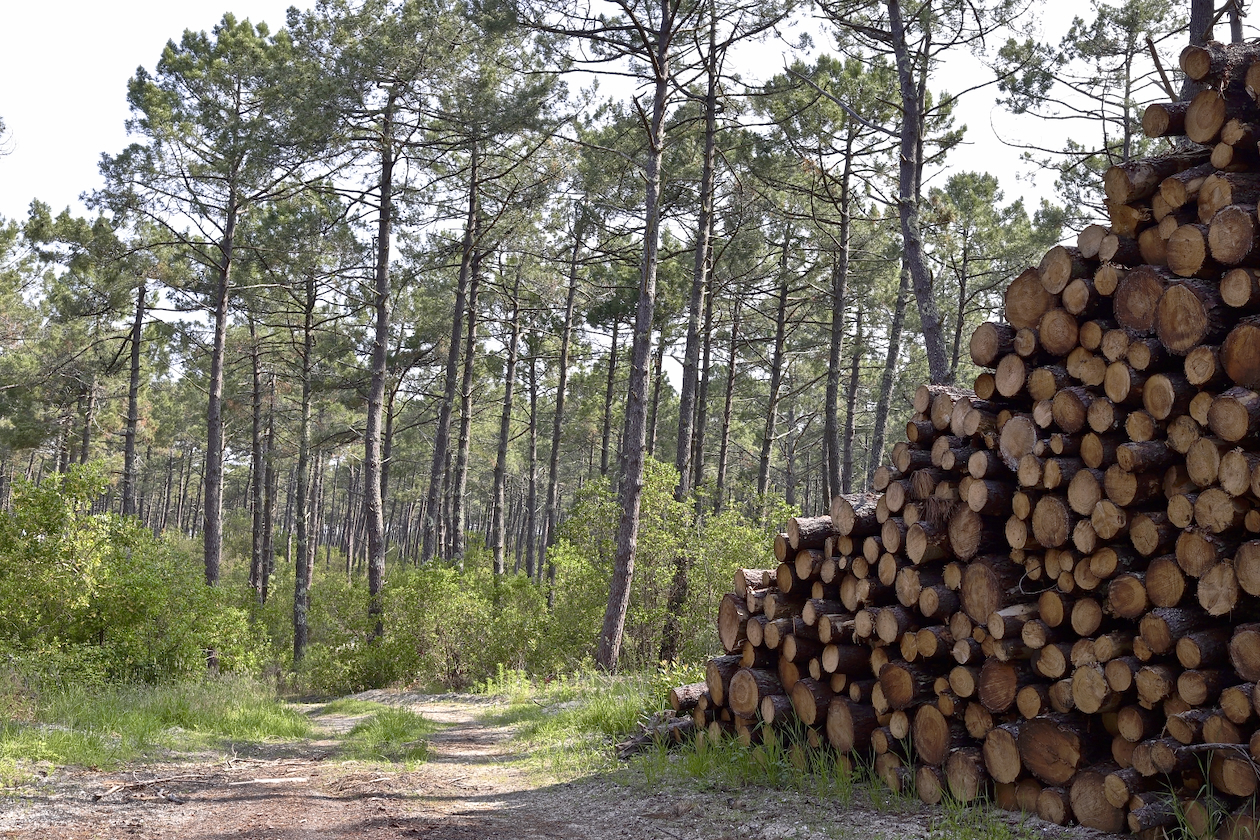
(212, 538)
(699, 276)
(606, 432)
(876, 453)
(497, 535)
(839, 295)
(702, 397)
(531, 502)
(302, 504)
(89, 417)
(908, 173)
(373, 492)
(458, 514)
(658, 376)
(632, 458)
(256, 476)
(956, 351)
(433, 526)
(551, 521)
(719, 489)
(776, 369)
(789, 456)
(269, 498)
(850, 414)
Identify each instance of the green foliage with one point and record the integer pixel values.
(782, 761)
(570, 724)
(93, 597)
(391, 735)
(104, 726)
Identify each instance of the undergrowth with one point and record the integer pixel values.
(390, 735)
(569, 725)
(108, 725)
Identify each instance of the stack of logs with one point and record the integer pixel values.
(1053, 599)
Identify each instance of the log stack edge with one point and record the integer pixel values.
(1054, 597)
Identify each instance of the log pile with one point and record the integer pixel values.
(1054, 596)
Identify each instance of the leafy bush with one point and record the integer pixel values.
(92, 597)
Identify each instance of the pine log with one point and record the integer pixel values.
(1232, 235)
(1164, 119)
(683, 698)
(1138, 179)
(1055, 747)
(933, 735)
(1026, 300)
(850, 725)
(1127, 596)
(1090, 805)
(1137, 297)
(1244, 651)
(1189, 314)
(1240, 288)
(990, 341)
(965, 774)
(717, 677)
(1233, 773)
(733, 618)
(748, 686)
(1186, 252)
(1163, 626)
(1058, 331)
(811, 699)
(1166, 394)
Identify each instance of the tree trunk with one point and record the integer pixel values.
(551, 519)
(909, 171)
(702, 397)
(776, 369)
(836, 473)
(212, 537)
(465, 420)
(850, 414)
(875, 455)
(632, 458)
(302, 503)
(497, 536)
(699, 277)
(256, 463)
(606, 432)
(531, 500)
(433, 530)
(719, 489)
(269, 499)
(373, 490)
(658, 376)
(133, 407)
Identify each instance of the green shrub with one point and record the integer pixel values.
(94, 597)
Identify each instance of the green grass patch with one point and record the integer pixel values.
(568, 726)
(350, 707)
(391, 735)
(780, 762)
(106, 726)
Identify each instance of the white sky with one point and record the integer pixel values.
(63, 98)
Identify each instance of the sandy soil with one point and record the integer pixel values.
(469, 790)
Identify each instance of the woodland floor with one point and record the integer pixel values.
(473, 786)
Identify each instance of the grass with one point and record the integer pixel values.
(568, 726)
(107, 726)
(975, 821)
(391, 735)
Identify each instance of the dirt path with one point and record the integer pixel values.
(470, 789)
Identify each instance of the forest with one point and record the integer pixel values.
(395, 350)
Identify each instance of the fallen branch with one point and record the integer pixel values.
(284, 780)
